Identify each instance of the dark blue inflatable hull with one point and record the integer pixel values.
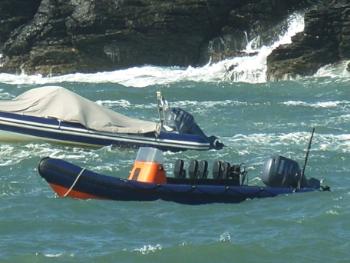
(17, 127)
(62, 175)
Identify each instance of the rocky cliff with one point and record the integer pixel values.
(15, 13)
(64, 36)
(325, 40)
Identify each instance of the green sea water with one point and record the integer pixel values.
(254, 121)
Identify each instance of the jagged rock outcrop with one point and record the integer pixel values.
(67, 36)
(90, 35)
(14, 13)
(325, 40)
(262, 20)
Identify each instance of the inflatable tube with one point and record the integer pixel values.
(67, 179)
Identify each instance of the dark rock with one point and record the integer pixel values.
(262, 20)
(14, 13)
(325, 40)
(92, 35)
(109, 34)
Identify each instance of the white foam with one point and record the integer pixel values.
(249, 68)
(324, 104)
(334, 70)
(253, 68)
(264, 141)
(12, 154)
(205, 105)
(332, 212)
(146, 249)
(51, 255)
(198, 105)
(225, 237)
(111, 103)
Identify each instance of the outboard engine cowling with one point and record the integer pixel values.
(280, 171)
(184, 122)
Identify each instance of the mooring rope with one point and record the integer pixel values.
(74, 183)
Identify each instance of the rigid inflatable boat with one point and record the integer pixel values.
(148, 181)
(55, 114)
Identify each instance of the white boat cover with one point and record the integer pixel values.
(62, 104)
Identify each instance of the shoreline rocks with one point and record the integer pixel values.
(13, 14)
(54, 37)
(96, 35)
(325, 40)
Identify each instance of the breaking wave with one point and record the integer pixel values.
(334, 70)
(250, 68)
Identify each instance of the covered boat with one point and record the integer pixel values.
(56, 114)
(148, 181)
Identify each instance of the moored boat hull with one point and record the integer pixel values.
(55, 114)
(19, 128)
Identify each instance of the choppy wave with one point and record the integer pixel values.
(334, 70)
(225, 237)
(250, 68)
(112, 103)
(104, 159)
(5, 95)
(12, 154)
(322, 142)
(52, 255)
(202, 105)
(146, 249)
(323, 104)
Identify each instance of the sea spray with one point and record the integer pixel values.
(334, 70)
(250, 68)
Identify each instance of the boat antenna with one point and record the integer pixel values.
(161, 103)
(307, 154)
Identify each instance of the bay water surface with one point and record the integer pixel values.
(255, 121)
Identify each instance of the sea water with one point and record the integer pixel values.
(255, 121)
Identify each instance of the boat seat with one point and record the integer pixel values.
(217, 170)
(179, 171)
(235, 174)
(226, 167)
(203, 169)
(221, 170)
(193, 169)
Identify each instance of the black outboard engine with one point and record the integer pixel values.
(280, 171)
(184, 123)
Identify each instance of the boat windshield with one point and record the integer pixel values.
(149, 154)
